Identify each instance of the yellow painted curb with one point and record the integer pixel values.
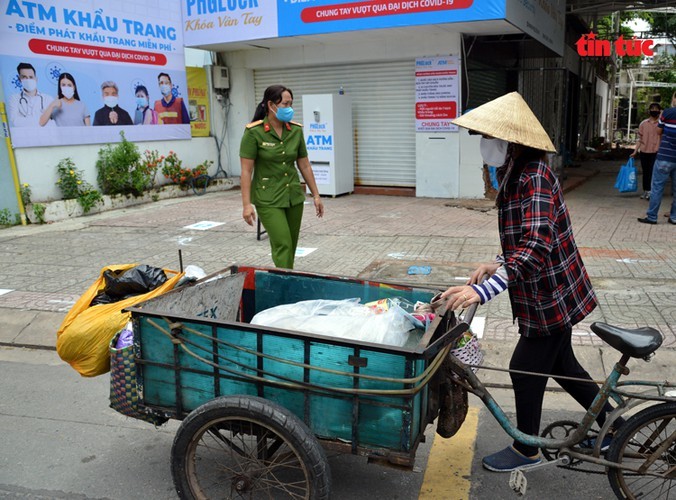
(447, 476)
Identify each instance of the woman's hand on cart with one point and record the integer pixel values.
(484, 270)
(460, 297)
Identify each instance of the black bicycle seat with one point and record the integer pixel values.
(637, 343)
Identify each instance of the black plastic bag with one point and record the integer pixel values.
(102, 298)
(134, 281)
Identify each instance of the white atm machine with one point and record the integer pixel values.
(327, 125)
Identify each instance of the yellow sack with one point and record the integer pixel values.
(83, 337)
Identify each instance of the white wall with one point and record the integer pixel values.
(471, 166)
(37, 166)
(389, 47)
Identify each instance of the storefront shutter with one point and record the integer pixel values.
(485, 83)
(383, 100)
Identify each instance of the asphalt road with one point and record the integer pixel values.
(62, 441)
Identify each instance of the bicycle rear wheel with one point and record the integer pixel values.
(647, 441)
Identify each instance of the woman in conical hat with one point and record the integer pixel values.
(540, 266)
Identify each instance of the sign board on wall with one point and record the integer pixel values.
(544, 20)
(211, 22)
(198, 101)
(436, 93)
(92, 41)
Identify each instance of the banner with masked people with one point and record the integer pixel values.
(79, 72)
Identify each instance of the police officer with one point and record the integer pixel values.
(271, 146)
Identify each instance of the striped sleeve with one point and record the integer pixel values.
(492, 286)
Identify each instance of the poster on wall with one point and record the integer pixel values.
(436, 93)
(198, 101)
(82, 71)
(212, 22)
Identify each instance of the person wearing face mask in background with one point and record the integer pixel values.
(111, 113)
(25, 108)
(647, 146)
(67, 110)
(540, 266)
(170, 109)
(271, 146)
(144, 115)
(665, 166)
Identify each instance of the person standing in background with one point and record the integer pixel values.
(26, 107)
(665, 166)
(647, 145)
(271, 146)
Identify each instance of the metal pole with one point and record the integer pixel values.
(612, 83)
(12, 163)
(631, 96)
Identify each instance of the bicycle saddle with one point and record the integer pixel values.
(637, 343)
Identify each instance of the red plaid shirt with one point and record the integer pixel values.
(549, 288)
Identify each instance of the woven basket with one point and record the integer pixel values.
(470, 353)
(124, 393)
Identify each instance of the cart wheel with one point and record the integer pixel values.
(247, 447)
(636, 444)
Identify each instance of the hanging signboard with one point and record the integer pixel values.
(544, 20)
(219, 21)
(81, 71)
(436, 93)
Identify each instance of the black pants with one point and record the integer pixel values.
(647, 162)
(552, 354)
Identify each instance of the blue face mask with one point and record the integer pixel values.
(284, 114)
(141, 102)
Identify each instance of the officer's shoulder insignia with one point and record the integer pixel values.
(297, 124)
(254, 124)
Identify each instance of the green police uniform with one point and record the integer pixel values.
(275, 187)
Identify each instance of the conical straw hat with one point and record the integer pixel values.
(508, 118)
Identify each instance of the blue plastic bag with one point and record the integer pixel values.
(620, 176)
(493, 174)
(628, 182)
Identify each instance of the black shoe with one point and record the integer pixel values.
(645, 220)
(672, 221)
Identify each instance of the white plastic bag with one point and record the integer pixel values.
(346, 319)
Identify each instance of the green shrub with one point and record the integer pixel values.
(172, 168)
(121, 171)
(88, 199)
(72, 186)
(70, 179)
(39, 210)
(7, 218)
(26, 194)
(150, 162)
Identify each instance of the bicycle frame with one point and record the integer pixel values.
(608, 390)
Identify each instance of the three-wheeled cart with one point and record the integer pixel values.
(259, 404)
